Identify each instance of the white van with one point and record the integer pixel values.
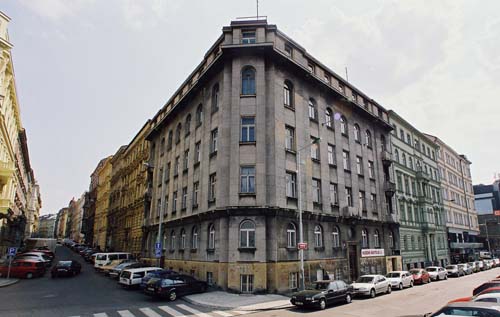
(102, 259)
(133, 277)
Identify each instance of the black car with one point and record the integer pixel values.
(156, 274)
(323, 294)
(66, 268)
(174, 286)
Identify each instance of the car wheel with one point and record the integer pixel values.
(446, 277)
(348, 298)
(400, 286)
(389, 289)
(322, 304)
(411, 283)
(172, 296)
(29, 275)
(372, 293)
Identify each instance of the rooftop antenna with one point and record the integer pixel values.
(257, 9)
(346, 75)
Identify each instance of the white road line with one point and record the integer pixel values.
(222, 313)
(193, 311)
(243, 312)
(101, 315)
(149, 312)
(171, 311)
(125, 313)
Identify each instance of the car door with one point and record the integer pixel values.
(137, 277)
(341, 291)
(384, 284)
(378, 286)
(330, 292)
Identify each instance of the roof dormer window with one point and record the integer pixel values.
(288, 50)
(248, 37)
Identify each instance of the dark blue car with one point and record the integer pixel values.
(159, 275)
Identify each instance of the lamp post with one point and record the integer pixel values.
(485, 224)
(301, 227)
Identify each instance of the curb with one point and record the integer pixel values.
(13, 281)
(241, 308)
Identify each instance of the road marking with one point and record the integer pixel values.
(101, 315)
(171, 311)
(149, 312)
(222, 313)
(125, 313)
(193, 311)
(243, 312)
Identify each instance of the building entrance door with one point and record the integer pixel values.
(353, 262)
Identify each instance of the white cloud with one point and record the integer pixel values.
(55, 9)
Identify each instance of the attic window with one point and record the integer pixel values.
(248, 37)
(288, 50)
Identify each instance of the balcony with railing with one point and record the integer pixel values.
(423, 175)
(7, 170)
(386, 157)
(389, 188)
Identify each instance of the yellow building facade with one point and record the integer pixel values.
(102, 203)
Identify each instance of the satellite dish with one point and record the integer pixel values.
(337, 116)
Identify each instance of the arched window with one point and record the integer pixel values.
(187, 125)
(211, 236)
(199, 115)
(376, 239)
(194, 238)
(172, 240)
(368, 138)
(170, 140)
(215, 97)
(403, 159)
(357, 133)
(288, 94)
(396, 155)
(328, 118)
(364, 238)
(247, 234)
(318, 236)
(410, 161)
(291, 235)
(343, 125)
(248, 81)
(391, 240)
(313, 111)
(336, 237)
(178, 133)
(183, 239)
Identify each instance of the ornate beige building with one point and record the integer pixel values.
(102, 202)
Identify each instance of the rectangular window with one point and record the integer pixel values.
(314, 149)
(246, 281)
(248, 37)
(288, 50)
(247, 179)
(341, 88)
(167, 172)
(371, 170)
(213, 140)
(184, 198)
(331, 155)
(346, 160)
(248, 129)
(210, 278)
(212, 187)
(293, 278)
(158, 208)
(160, 175)
(196, 189)
(348, 194)
(186, 160)
(174, 202)
(289, 138)
(373, 202)
(334, 194)
(327, 79)
(291, 184)
(359, 165)
(316, 187)
(361, 197)
(165, 203)
(197, 152)
(310, 67)
(176, 166)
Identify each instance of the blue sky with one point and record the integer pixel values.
(90, 73)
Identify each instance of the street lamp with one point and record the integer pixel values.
(301, 228)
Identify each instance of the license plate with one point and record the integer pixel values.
(299, 303)
(151, 289)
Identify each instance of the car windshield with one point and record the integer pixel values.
(321, 286)
(64, 263)
(431, 269)
(365, 279)
(393, 274)
(101, 257)
(415, 271)
(451, 267)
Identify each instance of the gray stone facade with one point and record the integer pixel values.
(256, 177)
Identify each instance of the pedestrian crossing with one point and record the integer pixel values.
(174, 310)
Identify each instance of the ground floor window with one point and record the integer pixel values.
(246, 282)
(292, 280)
(210, 278)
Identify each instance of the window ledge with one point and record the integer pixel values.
(330, 128)
(247, 249)
(196, 164)
(315, 160)
(319, 248)
(213, 153)
(336, 205)
(347, 171)
(171, 251)
(248, 96)
(247, 142)
(248, 194)
(313, 120)
(361, 175)
(291, 151)
(215, 110)
(183, 209)
(210, 250)
(211, 201)
(345, 135)
(291, 198)
(289, 107)
(292, 249)
(181, 250)
(176, 174)
(184, 171)
(332, 165)
(194, 206)
(194, 250)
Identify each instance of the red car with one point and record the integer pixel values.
(485, 286)
(23, 268)
(420, 276)
(471, 298)
(46, 251)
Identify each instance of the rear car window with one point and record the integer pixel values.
(125, 274)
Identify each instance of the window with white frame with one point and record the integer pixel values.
(199, 115)
(371, 170)
(368, 139)
(289, 138)
(212, 187)
(364, 238)
(172, 240)
(316, 190)
(247, 179)
(331, 154)
(211, 236)
(184, 198)
(291, 235)
(248, 81)
(196, 191)
(343, 125)
(362, 204)
(328, 118)
(313, 111)
(186, 160)
(357, 133)
(213, 140)
(293, 278)
(391, 240)
(336, 237)
(359, 165)
(248, 129)
(197, 152)
(288, 94)
(246, 281)
(376, 239)
(314, 149)
(318, 236)
(183, 239)
(247, 234)
(248, 37)
(348, 194)
(215, 98)
(174, 202)
(373, 202)
(346, 161)
(334, 194)
(291, 184)
(194, 238)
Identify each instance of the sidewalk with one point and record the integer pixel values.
(223, 300)
(6, 282)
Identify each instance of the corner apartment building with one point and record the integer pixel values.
(102, 203)
(487, 203)
(47, 226)
(422, 218)
(61, 223)
(458, 200)
(224, 152)
(128, 193)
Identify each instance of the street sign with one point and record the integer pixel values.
(12, 251)
(158, 245)
(302, 245)
(158, 249)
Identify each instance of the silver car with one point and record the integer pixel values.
(455, 270)
(437, 273)
(466, 268)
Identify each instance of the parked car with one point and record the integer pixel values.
(23, 268)
(480, 265)
(35, 256)
(133, 277)
(466, 268)
(323, 294)
(490, 290)
(44, 250)
(400, 279)
(420, 276)
(116, 271)
(106, 268)
(173, 287)
(371, 285)
(437, 273)
(455, 270)
(87, 256)
(496, 261)
(484, 286)
(106, 258)
(468, 309)
(66, 268)
(156, 274)
(474, 267)
(488, 298)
